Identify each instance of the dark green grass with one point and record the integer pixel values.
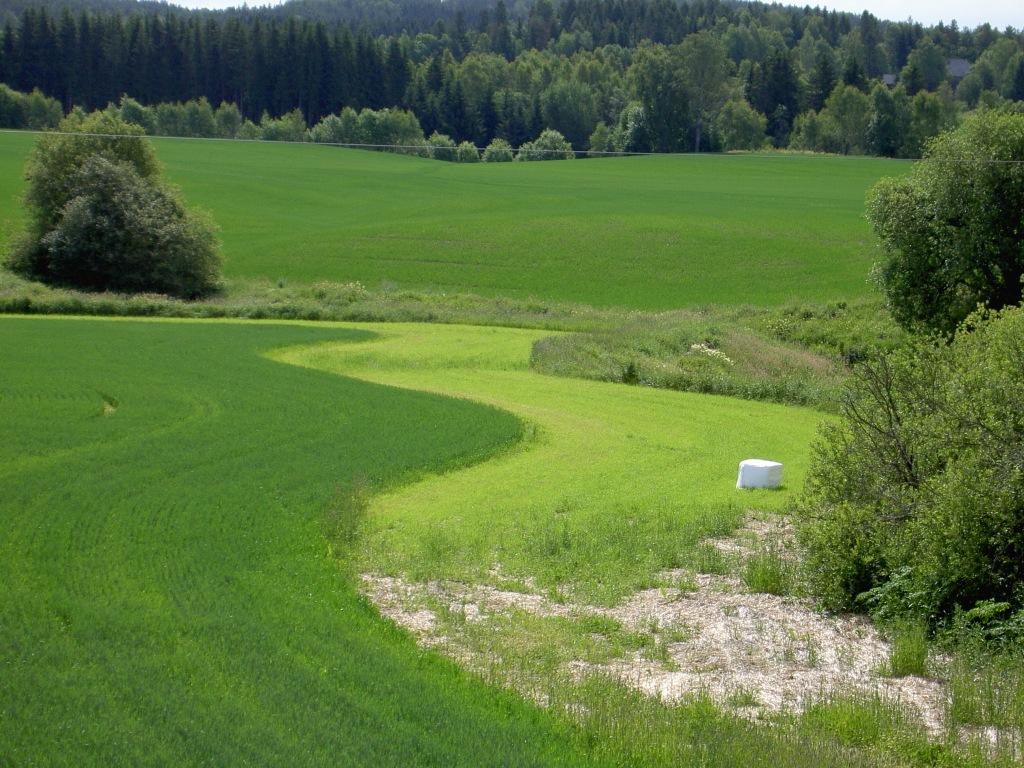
(168, 593)
(642, 232)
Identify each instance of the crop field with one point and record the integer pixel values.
(169, 596)
(174, 563)
(644, 232)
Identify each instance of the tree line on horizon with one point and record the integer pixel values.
(609, 75)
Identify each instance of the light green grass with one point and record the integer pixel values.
(649, 233)
(614, 484)
(169, 595)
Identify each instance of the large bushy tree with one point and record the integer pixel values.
(953, 229)
(100, 217)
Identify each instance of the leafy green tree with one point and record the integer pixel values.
(953, 230)
(12, 108)
(228, 120)
(133, 112)
(570, 107)
(664, 97)
(813, 133)
(930, 65)
(170, 120)
(600, 140)
(41, 112)
(705, 70)
(442, 147)
(288, 127)
(55, 158)
(1015, 78)
(740, 126)
(123, 233)
(930, 114)
(101, 219)
(890, 118)
(632, 134)
(248, 131)
(849, 109)
(199, 119)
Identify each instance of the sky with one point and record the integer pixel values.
(969, 13)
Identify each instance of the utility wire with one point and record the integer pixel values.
(425, 150)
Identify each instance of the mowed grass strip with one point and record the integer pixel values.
(169, 597)
(641, 232)
(613, 484)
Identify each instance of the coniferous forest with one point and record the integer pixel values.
(609, 75)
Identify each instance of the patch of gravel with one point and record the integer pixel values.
(766, 652)
(779, 651)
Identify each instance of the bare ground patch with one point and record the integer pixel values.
(757, 654)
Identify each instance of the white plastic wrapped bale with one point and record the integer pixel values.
(759, 473)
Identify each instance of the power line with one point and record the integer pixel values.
(425, 150)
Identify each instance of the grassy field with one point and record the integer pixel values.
(647, 232)
(175, 550)
(614, 484)
(169, 593)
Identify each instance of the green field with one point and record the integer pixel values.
(168, 594)
(190, 507)
(644, 232)
(173, 593)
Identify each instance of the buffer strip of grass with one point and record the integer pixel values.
(612, 484)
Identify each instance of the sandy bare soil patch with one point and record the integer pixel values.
(754, 652)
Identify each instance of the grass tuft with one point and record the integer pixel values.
(769, 571)
(909, 654)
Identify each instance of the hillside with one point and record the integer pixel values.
(647, 233)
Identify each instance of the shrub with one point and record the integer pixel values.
(442, 147)
(100, 219)
(550, 145)
(123, 233)
(228, 119)
(34, 110)
(288, 127)
(914, 505)
(498, 151)
(467, 153)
